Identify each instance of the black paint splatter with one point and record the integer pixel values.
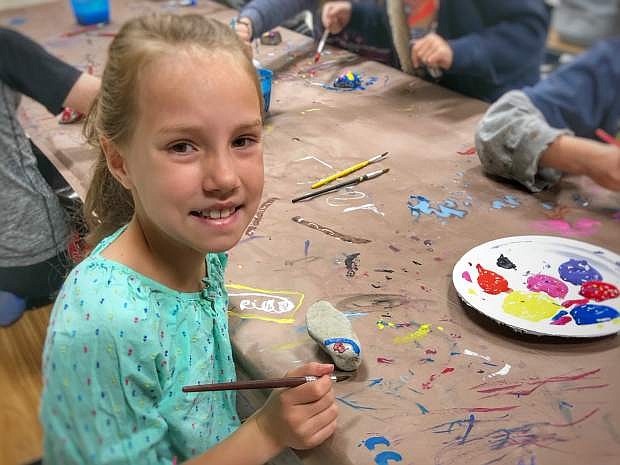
(352, 263)
(505, 263)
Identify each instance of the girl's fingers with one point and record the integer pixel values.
(320, 436)
(308, 392)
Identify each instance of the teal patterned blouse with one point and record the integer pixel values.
(119, 348)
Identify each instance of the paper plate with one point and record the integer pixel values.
(543, 285)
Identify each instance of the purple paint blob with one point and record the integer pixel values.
(578, 272)
(590, 314)
(466, 276)
(551, 286)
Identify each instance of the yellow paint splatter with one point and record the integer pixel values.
(531, 306)
(472, 291)
(416, 335)
(440, 328)
(292, 345)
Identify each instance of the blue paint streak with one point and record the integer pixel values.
(355, 314)
(560, 314)
(387, 456)
(590, 314)
(306, 247)
(423, 409)
(470, 425)
(374, 382)
(444, 209)
(343, 340)
(578, 272)
(564, 404)
(354, 404)
(374, 441)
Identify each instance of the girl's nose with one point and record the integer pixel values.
(220, 173)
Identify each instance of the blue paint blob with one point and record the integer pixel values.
(374, 441)
(560, 314)
(387, 456)
(578, 272)
(590, 314)
(418, 204)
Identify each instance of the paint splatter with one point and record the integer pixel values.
(580, 228)
(467, 151)
(591, 314)
(330, 232)
(259, 215)
(502, 371)
(491, 282)
(578, 272)
(416, 335)
(306, 247)
(352, 262)
(418, 205)
(423, 409)
(375, 441)
(429, 384)
(547, 284)
(387, 361)
(570, 303)
(530, 306)
(599, 290)
(561, 318)
(388, 456)
(509, 201)
(466, 276)
(506, 263)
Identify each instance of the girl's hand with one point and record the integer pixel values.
(432, 51)
(604, 167)
(243, 28)
(335, 16)
(301, 417)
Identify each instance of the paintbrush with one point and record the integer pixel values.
(319, 49)
(335, 187)
(350, 170)
(605, 137)
(273, 383)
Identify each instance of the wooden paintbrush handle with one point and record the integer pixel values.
(252, 384)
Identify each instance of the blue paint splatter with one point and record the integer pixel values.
(507, 201)
(353, 404)
(418, 204)
(374, 382)
(17, 21)
(578, 272)
(590, 314)
(375, 441)
(423, 409)
(354, 314)
(306, 247)
(470, 425)
(559, 315)
(564, 404)
(343, 340)
(387, 456)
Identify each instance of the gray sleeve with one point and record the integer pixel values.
(267, 14)
(510, 139)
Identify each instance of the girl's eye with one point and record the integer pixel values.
(243, 142)
(182, 148)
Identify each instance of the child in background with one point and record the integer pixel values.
(34, 233)
(178, 126)
(483, 47)
(534, 135)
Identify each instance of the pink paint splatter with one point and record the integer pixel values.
(468, 151)
(385, 360)
(551, 286)
(580, 228)
(562, 320)
(569, 303)
(466, 276)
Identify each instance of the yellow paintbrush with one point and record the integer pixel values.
(354, 168)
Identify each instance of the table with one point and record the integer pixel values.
(440, 384)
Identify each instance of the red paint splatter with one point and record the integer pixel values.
(591, 386)
(430, 351)
(447, 370)
(491, 282)
(570, 303)
(492, 409)
(385, 360)
(468, 151)
(434, 376)
(572, 423)
(562, 320)
(339, 347)
(599, 291)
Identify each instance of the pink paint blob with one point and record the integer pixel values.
(491, 282)
(466, 276)
(580, 228)
(570, 303)
(599, 291)
(562, 320)
(551, 286)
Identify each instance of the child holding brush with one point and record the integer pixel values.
(481, 48)
(535, 135)
(178, 127)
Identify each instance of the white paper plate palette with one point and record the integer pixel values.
(543, 285)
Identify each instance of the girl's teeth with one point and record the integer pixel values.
(218, 214)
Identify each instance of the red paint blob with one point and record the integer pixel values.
(599, 291)
(447, 370)
(491, 282)
(562, 320)
(569, 303)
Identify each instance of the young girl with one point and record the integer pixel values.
(179, 176)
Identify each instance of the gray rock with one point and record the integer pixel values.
(334, 334)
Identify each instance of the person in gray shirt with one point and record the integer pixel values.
(34, 231)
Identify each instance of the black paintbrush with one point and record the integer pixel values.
(352, 182)
(260, 383)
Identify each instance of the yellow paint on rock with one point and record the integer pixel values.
(531, 306)
(416, 335)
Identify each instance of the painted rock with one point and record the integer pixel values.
(348, 80)
(271, 38)
(334, 334)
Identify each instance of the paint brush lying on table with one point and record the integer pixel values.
(273, 383)
(335, 187)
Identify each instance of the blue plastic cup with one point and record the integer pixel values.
(91, 11)
(265, 76)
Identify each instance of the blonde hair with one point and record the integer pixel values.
(140, 41)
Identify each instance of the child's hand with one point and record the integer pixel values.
(335, 16)
(432, 51)
(604, 169)
(301, 417)
(243, 28)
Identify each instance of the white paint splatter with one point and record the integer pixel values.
(367, 206)
(476, 354)
(316, 159)
(503, 372)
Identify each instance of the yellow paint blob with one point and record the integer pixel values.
(472, 291)
(531, 306)
(418, 334)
